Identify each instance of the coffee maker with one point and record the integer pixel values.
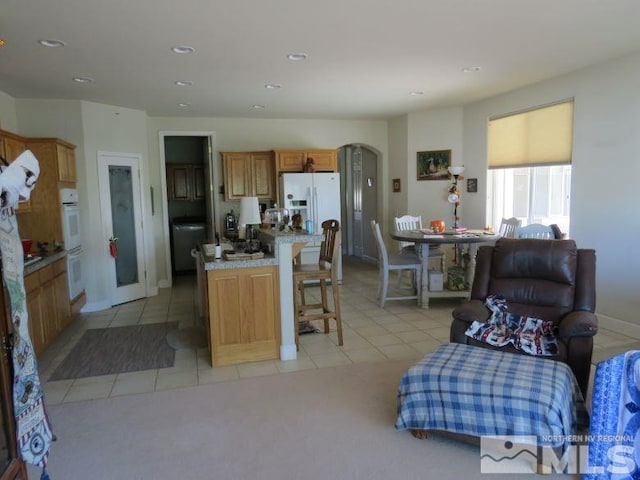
(231, 226)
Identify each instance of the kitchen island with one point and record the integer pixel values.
(248, 304)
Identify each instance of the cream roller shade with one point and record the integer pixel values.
(543, 136)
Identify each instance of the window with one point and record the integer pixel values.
(530, 166)
(531, 194)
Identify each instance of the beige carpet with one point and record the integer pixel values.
(328, 423)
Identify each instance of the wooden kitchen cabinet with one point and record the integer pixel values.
(34, 310)
(47, 303)
(11, 146)
(295, 160)
(66, 161)
(249, 174)
(244, 314)
(185, 182)
(61, 288)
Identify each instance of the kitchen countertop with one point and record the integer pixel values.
(47, 259)
(267, 237)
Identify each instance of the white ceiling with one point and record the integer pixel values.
(364, 56)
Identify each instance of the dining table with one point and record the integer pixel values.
(424, 238)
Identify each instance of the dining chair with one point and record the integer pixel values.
(404, 223)
(410, 222)
(508, 227)
(535, 230)
(325, 270)
(399, 263)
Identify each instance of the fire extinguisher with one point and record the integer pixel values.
(113, 247)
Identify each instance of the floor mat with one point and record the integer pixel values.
(104, 351)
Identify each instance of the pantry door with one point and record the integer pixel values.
(121, 206)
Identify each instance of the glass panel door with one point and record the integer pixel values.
(123, 221)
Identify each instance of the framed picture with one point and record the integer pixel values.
(472, 185)
(434, 164)
(396, 184)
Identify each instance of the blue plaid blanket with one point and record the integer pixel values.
(477, 391)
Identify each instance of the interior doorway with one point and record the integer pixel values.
(188, 202)
(358, 165)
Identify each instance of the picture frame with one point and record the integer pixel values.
(472, 185)
(396, 185)
(433, 164)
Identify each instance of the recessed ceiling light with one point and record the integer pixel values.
(184, 105)
(272, 86)
(83, 79)
(471, 69)
(183, 83)
(183, 49)
(416, 93)
(50, 42)
(257, 107)
(296, 57)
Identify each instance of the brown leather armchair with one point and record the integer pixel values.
(547, 279)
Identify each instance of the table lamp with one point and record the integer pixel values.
(249, 215)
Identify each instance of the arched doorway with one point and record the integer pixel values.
(358, 166)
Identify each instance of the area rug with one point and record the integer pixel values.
(104, 351)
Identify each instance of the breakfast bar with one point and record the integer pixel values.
(248, 306)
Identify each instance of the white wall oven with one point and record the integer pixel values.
(70, 218)
(72, 240)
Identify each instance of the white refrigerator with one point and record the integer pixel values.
(316, 197)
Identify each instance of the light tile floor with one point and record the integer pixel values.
(397, 331)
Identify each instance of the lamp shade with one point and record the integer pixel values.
(457, 170)
(249, 211)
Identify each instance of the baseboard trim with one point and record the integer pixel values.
(164, 284)
(95, 306)
(618, 326)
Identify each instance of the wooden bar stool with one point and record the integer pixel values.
(325, 269)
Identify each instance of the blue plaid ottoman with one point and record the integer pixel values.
(477, 391)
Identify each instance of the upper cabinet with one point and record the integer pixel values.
(295, 160)
(11, 146)
(185, 182)
(66, 160)
(249, 174)
(57, 157)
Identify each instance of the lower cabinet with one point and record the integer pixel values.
(244, 314)
(47, 303)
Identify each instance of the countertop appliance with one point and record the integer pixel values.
(316, 198)
(187, 232)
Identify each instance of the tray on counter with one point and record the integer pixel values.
(242, 256)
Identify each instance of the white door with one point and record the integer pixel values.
(121, 206)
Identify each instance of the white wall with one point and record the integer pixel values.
(241, 134)
(397, 167)
(439, 129)
(111, 129)
(8, 119)
(606, 153)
